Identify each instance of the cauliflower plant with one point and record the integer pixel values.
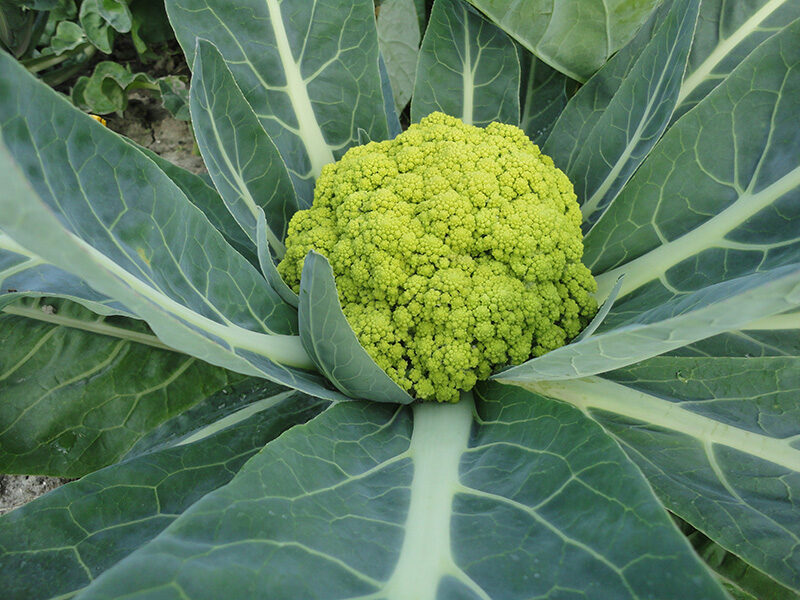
(456, 250)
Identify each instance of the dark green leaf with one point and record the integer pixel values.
(628, 338)
(58, 544)
(544, 94)
(718, 196)
(97, 29)
(232, 405)
(742, 581)
(309, 69)
(637, 115)
(242, 160)
(355, 504)
(68, 36)
(35, 4)
(392, 118)
(161, 259)
(23, 274)
(573, 36)
(116, 13)
(149, 24)
(716, 437)
(727, 31)
(175, 96)
(468, 68)
(205, 197)
(579, 118)
(399, 38)
(267, 263)
(106, 90)
(16, 29)
(79, 390)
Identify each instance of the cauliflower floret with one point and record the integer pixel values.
(456, 250)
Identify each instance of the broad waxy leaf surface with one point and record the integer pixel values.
(392, 118)
(403, 514)
(242, 160)
(727, 31)
(717, 438)
(637, 115)
(573, 36)
(544, 93)
(718, 196)
(160, 239)
(58, 544)
(399, 37)
(25, 274)
(741, 580)
(515, 495)
(468, 68)
(79, 390)
(676, 323)
(207, 199)
(579, 118)
(308, 68)
(154, 252)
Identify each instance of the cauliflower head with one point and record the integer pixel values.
(456, 251)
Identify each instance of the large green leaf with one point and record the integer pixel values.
(108, 195)
(368, 501)
(399, 37)
(207, 199)
(467, 68)
(637, 115)
(147, 247)
(742, 581)
(778, 335)
(245, 165)
(232, 405)
(79, 390)
(718, 196)
(267, 262)
(58, 544)
(331, 342)
(573, 36)
(543, 95)
(309, 69)
(579, 118)
(716, 437)
(727, 31)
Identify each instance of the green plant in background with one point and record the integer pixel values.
(235, 440)
(59, 39)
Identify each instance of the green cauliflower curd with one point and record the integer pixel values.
(456, 251)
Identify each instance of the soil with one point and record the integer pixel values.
(16, 490)
(147, 123)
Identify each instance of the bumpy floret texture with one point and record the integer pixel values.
(456, 251)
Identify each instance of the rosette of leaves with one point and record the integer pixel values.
(149, 347)
(60, 39)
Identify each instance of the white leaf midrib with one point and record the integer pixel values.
(601, 394)
(652, 265)
(440, 437)
(703, 71)
(319, 153)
